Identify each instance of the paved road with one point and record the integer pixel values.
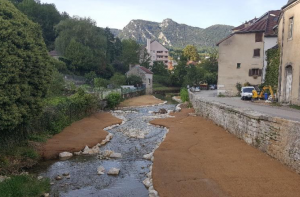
(282, 112)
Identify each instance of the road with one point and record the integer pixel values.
(274, 111)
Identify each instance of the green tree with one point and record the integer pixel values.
(191, 53)
(145, 58)
(118, 80)
(130, 52)
(83, 44)
(159, 68)
(46, 15)
(134, 80)
(25, 68)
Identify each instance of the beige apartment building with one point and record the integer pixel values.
(242, 54)
(289, 42)
(157, 52)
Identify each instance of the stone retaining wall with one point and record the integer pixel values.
(279, 138)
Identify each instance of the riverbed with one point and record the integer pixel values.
(133, 139)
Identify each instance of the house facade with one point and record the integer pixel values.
(145, 74)
(242, 57)
(157, 52)
(289, 42)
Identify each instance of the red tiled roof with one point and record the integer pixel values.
(146, 70)
(263, 24)
(244, 25)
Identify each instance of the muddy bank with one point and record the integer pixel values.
(141, 101)
(88, 131)
(199, 158)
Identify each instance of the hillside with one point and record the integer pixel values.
(173, 34)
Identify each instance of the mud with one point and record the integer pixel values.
(84, 179)
(198, 158)
(141, 101)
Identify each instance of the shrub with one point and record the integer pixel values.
(118, 80)
(113, 100)
(23, 186)
(239, 87)
(99, 82)
(134, 80)
(184, 95)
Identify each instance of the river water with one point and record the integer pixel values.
(84, 180)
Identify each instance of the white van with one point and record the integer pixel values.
(246, 92)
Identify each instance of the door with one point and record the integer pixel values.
(288, 85)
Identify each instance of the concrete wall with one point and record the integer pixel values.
(238, 49)
(290, 53)
(277, 137)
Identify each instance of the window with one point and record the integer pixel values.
(256, 53)
(259, 37)
(238, 65)
(291, 28)
(255, 72)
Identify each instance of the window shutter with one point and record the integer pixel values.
(258, 37)
(259, 72)
(250, 72)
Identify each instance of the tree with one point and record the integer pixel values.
(191, 53)
(25, 68)
(46, 15)
(145, 58)
(130, 52)
(118, 80)
(272, 72)
(159, 68)
(135, 80)
(83, 44)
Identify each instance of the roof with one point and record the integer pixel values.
(289, 3)
(264, 24)
(146, 70)
(242, 26)
(53, 53)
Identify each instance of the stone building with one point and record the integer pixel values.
(289, 42)
(242, 56)
(145, 74)
(157, 52)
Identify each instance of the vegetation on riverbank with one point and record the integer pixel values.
(24, 185)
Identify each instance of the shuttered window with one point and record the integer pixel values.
(259, 37)
(255, 72)
(256, 53)
(291, 27)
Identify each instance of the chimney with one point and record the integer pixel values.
(148, 45)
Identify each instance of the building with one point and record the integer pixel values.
(54, 54)
(242, 57)
(289, 43)
(145, 74)
(157, 52)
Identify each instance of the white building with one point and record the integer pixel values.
(157, 52)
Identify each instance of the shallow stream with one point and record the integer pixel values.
(84, 180)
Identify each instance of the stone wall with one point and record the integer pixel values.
(279, 138)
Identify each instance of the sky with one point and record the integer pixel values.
(197, 13)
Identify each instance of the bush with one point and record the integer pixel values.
(118, 80)
(113, 100)
(163, 80)
(134, 80)
(99, 82)
(23, 186)
(184, 95)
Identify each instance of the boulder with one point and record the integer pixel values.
(58, 178)
(86, 150)
(66, 174)
(113, 171)
(107, 153)
(46, 195)
(147, 182)
(3, 178)
(78, 153)
(152, 192)
(115, 155)
(65, 155)
(178, 108)
(162, 111)
(39, 178)
(148, 156)
(101, 170)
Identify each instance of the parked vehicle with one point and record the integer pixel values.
(261, 95)
(212, 87)
(246, 92)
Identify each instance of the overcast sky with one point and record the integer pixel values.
(198, 13)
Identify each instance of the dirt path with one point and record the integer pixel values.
(88, 131)
(141, 101)
(199, 158)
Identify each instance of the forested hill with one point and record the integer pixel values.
(173, 34)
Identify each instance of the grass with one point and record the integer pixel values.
(159, 87)
(24, 186)
(12, 160)
(295, 107)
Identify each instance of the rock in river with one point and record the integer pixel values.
(113, 171)
(101, 170)
(65, 155)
